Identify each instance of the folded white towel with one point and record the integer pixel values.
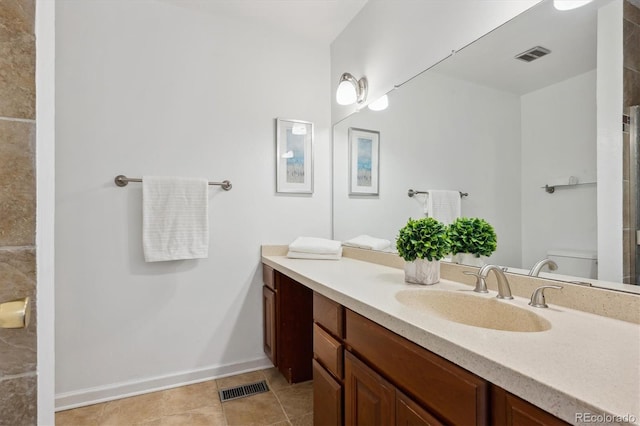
(315, 245)
(367, 242)
(175, 218)
(316, 256)
(444, 206)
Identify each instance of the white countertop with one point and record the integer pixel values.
(584, 364)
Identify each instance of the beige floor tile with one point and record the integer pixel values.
(154, 422)
(187, 398)
(306, 420)
(261, 409)
(199, 404)
(210, 416)
(275, 379)
(80, 416)
(134, 410)
(297, 400)
(240, 379)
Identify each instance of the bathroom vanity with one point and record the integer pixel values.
(378, 359)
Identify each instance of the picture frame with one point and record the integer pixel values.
(294, 156)
(364, 161)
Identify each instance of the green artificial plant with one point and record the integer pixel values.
(472, 235)
(424, 238)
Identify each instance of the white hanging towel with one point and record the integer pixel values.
(443, 205)
(175, 218)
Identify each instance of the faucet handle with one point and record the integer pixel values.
(537, 298)
(481, 284)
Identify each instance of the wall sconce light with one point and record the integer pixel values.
(569, 4)
(350, 90)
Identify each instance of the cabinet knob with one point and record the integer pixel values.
(15, 314)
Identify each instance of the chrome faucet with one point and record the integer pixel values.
(504, 291)
(538, 299)
(535, 270)
(481, 285)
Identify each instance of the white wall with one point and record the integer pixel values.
(391, 41)
(558, 141)
(609, 95)
(148, 88)
(438, 133)
(45, 152)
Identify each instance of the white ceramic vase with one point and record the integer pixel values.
(422, 271)
(469, 259)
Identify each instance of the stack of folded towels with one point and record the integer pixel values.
(368, 242)
(315, 248)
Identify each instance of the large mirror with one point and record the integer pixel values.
(499, 129)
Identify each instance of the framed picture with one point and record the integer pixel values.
(364, 161)
(294, 156)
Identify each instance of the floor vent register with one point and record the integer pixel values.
(243, 391)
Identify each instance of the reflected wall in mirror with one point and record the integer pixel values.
(499, 129)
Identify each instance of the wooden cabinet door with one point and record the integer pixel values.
(269, 332)
(327, 398)
(509, 410)
(369, 399)
(294, 329)
(408, 413)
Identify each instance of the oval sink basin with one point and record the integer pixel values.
(474, 310)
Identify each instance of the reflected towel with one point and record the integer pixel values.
(367, 242)
(315, 245)
(316, 256)
(175, 218)
(444, 206)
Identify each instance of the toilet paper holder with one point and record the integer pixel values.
(15, 313)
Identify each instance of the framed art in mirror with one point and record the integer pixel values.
(294, 156)
(364, 161)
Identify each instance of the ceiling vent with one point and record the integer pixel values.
(533, 54)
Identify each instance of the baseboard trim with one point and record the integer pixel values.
(89, 396)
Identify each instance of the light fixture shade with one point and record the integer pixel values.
(569, 4)
(346, 93)
(379, 104)
(350, 90)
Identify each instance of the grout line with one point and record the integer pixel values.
(19, 120)
(13, 248)
(222, 404)
(277, 398)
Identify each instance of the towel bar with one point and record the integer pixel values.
(122, 180)
(411, 193)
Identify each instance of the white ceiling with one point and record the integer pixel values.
(570, 35)
(317, 20)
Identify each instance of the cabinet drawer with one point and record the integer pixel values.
(328, 314)
(267, 276)
(447, 390)
(327, 350)
(327, 393)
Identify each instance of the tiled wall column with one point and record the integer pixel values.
(631, 195)
(631, 54)
(18, 399)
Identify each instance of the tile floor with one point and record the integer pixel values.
(199, 404)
